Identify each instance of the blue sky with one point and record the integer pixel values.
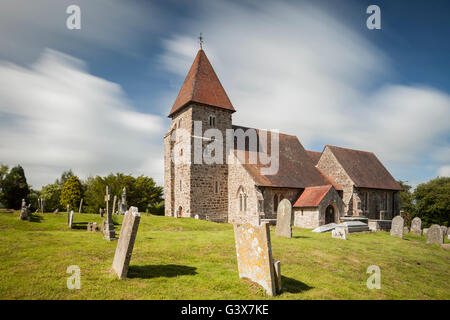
(309, 68)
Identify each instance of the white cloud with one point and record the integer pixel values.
(55, 116)
(297, 68)
(444, 171)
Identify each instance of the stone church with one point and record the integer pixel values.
(323, 187)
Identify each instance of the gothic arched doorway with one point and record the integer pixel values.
(329, 214)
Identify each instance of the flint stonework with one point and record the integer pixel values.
(416, 226)
(284, 219)
(397, 227)
(435, 235)
(254, 255)
(125, 245)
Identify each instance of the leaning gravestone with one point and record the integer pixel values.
(397, 227)
(405, 230)
(416, 226)
(125, 245)
(108, 228)
(435, 235)
(25, 211)
(254, 256)
(71, 219)
(339, 233)
(284, 219)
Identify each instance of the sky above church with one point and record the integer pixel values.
(96, 100)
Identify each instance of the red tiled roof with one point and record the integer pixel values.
(296, 169)
(314, 155)
(202, 86)
(364, 169)
(312, 196)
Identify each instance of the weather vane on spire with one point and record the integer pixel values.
(201, 40)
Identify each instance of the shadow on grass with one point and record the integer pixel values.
(79, 225)
(300, 237)
(293, 286)
(36, 218)
(160, 270)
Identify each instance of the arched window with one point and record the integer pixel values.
(242, 199)
(212, 121)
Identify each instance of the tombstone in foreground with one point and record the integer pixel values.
(71, 219)
(340, 232)
(284, 219)
(254, 256)
(397, 227)
(435, 235)
(416, 226)
(125, 245)
(108, 226)
(25, 211)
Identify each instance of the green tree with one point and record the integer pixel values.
(94, 194)
(146, 193)
(71, 193)
(3, 172)
(51, 194)
(64, 176)
(407, 200)
(15, 188)
(433, 201)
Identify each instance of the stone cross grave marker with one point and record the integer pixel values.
(71, 219)
(254, 256)
(435, 235)
(108, 230)
(284, 219)
(126, 241)
(416, 226)
(340, 232)
(397, 227)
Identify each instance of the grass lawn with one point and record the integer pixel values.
(193, 259)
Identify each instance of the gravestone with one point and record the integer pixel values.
(444, 230)
(101, 212)
(196, 216)
(284, 219)
(397, 227)
(405, 230)
(89, 227)
(114, 205)
(25, 211)
(108, 228)
(254, 256)
(416, 226)
(123, 203)
(435, 235)
(68, 214)
(340, 232)
(71, 219)
(325, 227)
(56, 211)
(81, 205)
(125, 244)
(94, 226)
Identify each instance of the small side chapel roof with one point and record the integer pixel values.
(202, 86)
(364, 169)
(312, 196)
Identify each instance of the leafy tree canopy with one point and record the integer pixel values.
(72, 192)
(14, 188)
(433, 201)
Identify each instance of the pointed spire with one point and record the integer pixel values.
(202, 86)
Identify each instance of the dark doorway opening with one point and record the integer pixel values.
(329, 214)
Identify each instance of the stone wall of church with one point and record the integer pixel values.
(369, 203)
(308, 218)
(329, 164)
(240, 182)
(281, 193)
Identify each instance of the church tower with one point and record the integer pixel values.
(193, 187)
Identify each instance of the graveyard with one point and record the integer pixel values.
(196, 259)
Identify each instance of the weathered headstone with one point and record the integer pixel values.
(25, 211)
(340, 232)
(435, 235)
(101, 212)
(114, 205)
(94, 226)
(71, 219)
(416, 226)
(405, 230)
(42, 205)
(254, 255)
(81, 205)
(125, 245)
(284, 219)
(123, 203)
(108, 231)
(89, 227)
(397, 227)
